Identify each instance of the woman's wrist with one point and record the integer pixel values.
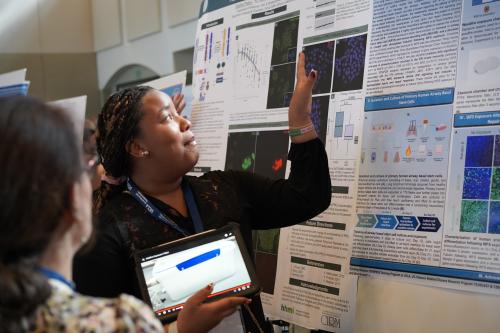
(171, 328)
(304, 133)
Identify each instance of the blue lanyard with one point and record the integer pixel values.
(50, 274)
(159, 216)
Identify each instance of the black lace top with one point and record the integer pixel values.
(254, 202)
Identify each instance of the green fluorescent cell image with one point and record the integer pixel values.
(247, 162)
(474, 216)
(495, 184)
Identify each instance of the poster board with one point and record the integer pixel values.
(407, 103)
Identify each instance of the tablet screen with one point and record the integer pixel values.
(172, 273)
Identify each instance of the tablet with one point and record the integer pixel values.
(170, 273)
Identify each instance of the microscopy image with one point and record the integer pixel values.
(320, 58)
(281, 84)
(479, 151)
(265, 267)
(496, 158)
(319, 115)
(285, 41)
(476, 183)
(474, 216)
(267, 240)
(241, 151)
(271, 154)
(349, 64)
(495, 184)
(494, 223)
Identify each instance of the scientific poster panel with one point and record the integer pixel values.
(406, 93)
(426, 204)
(244, 75)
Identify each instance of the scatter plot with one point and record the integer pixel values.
(271, 152)
(285, 41)
(349, 64)
(248, 69)
(261, 152)
(476, 183)
(319, 115)
(320, 58)
(479, 151)
(494, 222)
(281, 84)
(474, 216)
(495, 184)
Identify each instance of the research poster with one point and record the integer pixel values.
(407, 103)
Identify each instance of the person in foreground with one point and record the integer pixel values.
(45, 217)
(147, 147)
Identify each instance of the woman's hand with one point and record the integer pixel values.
(179, 103)
(197, 317)
(300, 105)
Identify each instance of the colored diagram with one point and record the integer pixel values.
(261, 152)
(320, 58)
(394, 139)
(349, 64)
(345, 123)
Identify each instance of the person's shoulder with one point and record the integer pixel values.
(67, 311)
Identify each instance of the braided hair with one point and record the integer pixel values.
(118, 123)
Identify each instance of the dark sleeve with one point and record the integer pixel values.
(305, 194)
(104, 269)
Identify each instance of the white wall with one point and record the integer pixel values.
(392, 307)
(45, 26)
(154, 51)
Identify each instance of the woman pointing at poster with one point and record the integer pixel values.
(148, 148)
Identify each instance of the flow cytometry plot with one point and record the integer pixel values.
(285, 41)
(349, 64)
(248, 67)
(320, 58)
(476, 183)
(241, 151)
(271, 152)
(474, 216)
(479, 151)
(319, 115)
(281, 85)
(494, 221)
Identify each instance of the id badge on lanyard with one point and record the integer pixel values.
(159, 216)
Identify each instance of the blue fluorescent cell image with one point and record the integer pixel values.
(479, 151)
(494, 224)
(496, 157)
(320, 58)
(349, 64)
(476, 183)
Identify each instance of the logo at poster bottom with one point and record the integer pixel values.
(287, 309)
(330, 321)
